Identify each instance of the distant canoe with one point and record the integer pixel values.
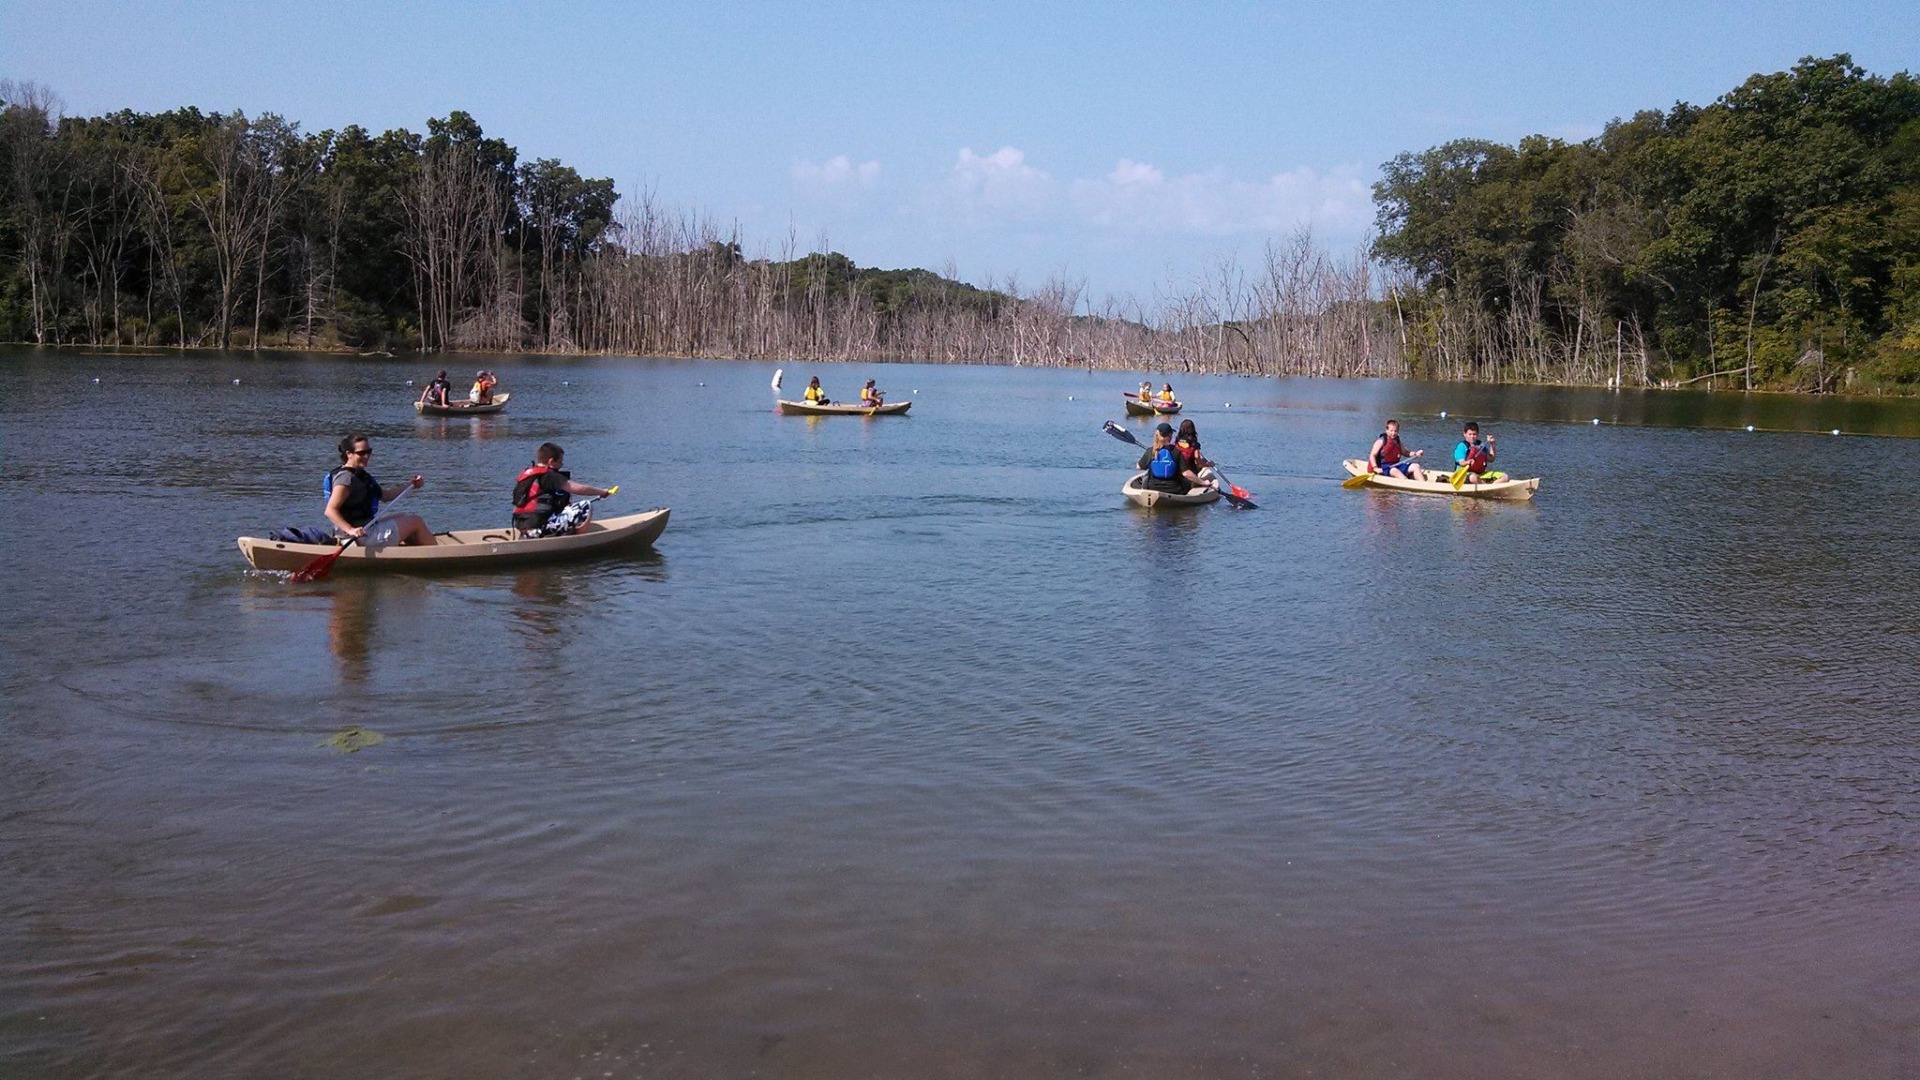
(1137, 408)
(802, 408)
(462, 408)
(1498, 489)
(467, 549)
(1141, 495)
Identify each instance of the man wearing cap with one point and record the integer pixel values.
(1162, 465)
(483, 384)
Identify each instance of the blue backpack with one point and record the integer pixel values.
(1165, 465)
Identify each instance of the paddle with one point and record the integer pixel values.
(1238, 496)
(1458, 478)
(319, 568)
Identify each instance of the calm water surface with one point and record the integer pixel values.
(913, 750)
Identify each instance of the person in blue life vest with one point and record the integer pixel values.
(1390, 457)
(354, 497)
(1474, 454)
(437, 391)
(544, 487)
(1163, 465)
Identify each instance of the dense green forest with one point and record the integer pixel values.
(1770, 239)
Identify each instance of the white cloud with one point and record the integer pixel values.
(1000, 182)
(837, 173)
(1138, 198)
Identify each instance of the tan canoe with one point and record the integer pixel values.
(461, 408)
(1167, 500)
(840, 408)
(467, 549)
(1498, 489)
(1135, 407)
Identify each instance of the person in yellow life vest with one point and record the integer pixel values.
(871, 396)
(482, 392)
(815, 395)
(1146, 392)
(1166, 394)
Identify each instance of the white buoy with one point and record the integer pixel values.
(1229, 405)
(1836, 431)
(700, 384)
(1069, 397)
(409, 382)
(1443, 414)
(1749, 427)
(569, 382)
(1596, 420)
(236, 382)
(96, 381)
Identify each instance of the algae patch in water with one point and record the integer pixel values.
(355, 738)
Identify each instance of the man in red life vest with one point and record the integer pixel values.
(1388, 457)
(544, 487)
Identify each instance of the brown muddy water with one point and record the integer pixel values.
(914, 751)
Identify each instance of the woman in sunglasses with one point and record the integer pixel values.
(354, 498)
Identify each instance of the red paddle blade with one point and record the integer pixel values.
(320, 567)
(1239, 492)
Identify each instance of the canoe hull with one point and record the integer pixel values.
(454, 408)
(1509, 490)
(1164, 500)
(801, 408)
(466, 549)
(1135, 408)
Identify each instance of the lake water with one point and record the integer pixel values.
(913, 750)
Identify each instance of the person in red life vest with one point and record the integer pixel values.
(354, 498)
(1186, 443)
(544, 487)
(1473, 454)
(1389, 456)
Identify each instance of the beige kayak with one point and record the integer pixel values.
(1153, 500)
(462, 408)
(1136, 407)
(802, 408)
(467, 549)
(1496, 489)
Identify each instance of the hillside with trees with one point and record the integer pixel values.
(1770, 239)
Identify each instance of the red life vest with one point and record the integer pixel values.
(1477, 458)
(539, 490)
(1390, 449)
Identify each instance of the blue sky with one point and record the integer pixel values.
(1131, 146)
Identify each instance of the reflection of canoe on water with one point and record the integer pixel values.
(1139, 408)
(1496, 489)
(462, 408)
(802, 408)
(467, 549)
(1152, 500)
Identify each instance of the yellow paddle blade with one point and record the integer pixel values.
(612, 491)
(1458, 478)
(1356, 481)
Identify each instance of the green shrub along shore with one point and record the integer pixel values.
(1768, 240)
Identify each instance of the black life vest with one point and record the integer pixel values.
(363, 494)
(539, 493)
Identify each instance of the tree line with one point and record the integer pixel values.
(188, 229)
(1770, 239)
